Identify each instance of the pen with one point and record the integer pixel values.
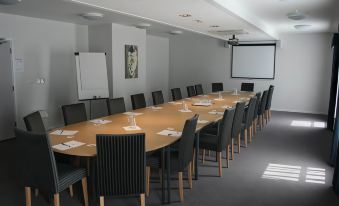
(65, 144)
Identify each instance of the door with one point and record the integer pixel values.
(7, 105)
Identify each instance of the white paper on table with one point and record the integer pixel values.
(176, 103)
(238, 101)
(131, 128)
(202, 121)
(64, 132)
(171, 133)
(235, 94)
(68, 145)
(133, 113)
(61, 147)
(202, 104)
(182, 110)
(219, 99)
(215, 112)
(188, 98)
(226, 107)
(202, 95)
(154, 107)
(100, 121)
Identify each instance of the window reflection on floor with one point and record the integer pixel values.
(297, 123)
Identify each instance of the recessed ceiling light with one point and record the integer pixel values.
(176, 32)
(197, 20)
(185, 15)
(214, 26)
(296, 15)
(303, 27)
(143, 25)
(92, 16)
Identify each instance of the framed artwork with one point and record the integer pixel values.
(131, 61)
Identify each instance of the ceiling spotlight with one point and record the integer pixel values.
(176, 32)
(143, 25)
(185, 15)
(92, 16)
(296, 15)
(214, 26)
(303, 27)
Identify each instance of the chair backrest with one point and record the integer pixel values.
(191, 91)
(269, 97)
(256, 109)
(138, 101)
(217, 87)
(176, 94)
(263, 103)
(186, 142)
(250, 112)
(225, 130)
(121, 163)
(198, 89)
(248, 87)
(34, 123)
(158, 97)
(238, 118)
(116, 106)
(74, 113)
(37, 161)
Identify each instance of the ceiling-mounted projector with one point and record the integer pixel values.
(233, 41)
(9, 2)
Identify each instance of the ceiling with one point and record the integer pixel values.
(258, 20)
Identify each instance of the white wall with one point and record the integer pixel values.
(47, 48)
(157, 72)
(302, 69)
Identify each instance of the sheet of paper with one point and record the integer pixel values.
(203, 95)
(202, 121)
(64, 132)
(215, 113)
(181, 110)
(100, 121)
(68, 145)
(226, 107)
(133, 113)
(202, 104)
(61, 147)
(238, 101)
(171, 133)
(175, 103)
(155, 108)
(131, 128)
(219, 99)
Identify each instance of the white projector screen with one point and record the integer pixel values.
(253, 61)
(91, 75)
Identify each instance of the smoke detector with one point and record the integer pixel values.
(296, 15)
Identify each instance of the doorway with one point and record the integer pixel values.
(7, 102)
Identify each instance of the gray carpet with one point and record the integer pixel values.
(241, 184)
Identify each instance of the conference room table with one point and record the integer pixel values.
(151, 121)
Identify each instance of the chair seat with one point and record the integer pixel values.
(69, 175)
(208, 141)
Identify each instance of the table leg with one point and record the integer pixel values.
(168, 175)
(196, 172)
(162, 175)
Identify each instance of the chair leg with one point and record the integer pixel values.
(84, 190)
(102, 201)
(56, 199)
(270, 112)
(203, 156)
(250, 134)
(193, 162)
(260, 122)
(232, 156)
(181, 187)
(245, 136)
(28, 196)
(148, 173)
(36, 192)
(255, 125)
(142, 199)
(239, 143)
(189, 173)
(219, 163)
(228, 155)
(71, 193)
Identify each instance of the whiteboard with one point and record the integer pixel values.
(253, 61)
(91, 75)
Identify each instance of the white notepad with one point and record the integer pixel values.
(64, 132)
(226, 107)
(176, 103)
(202, 104)
(171, 133)
(155, 108)
(238, 101)
(131, 128)
(215, 113)
(68, 145)
(182, 110)
(100, 121)
(133, 113)
(219, 99)
(202, 121)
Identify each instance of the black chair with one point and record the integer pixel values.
(116, 106)
(34, 123)
(40, 170)
(248, 87)
(181, 156)
(138, 101)
(198, 89)
(268, 104)
(217, 87)
(248, 120)
(236, 126)
(176, 94)
(191, 91)
(221, 140)
(255, 115)
(261, 109)
(158, 97)
(74, 113)
(121, 164)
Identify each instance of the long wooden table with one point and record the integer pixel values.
(151, 122)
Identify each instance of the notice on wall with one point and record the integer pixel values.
(19, 64)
